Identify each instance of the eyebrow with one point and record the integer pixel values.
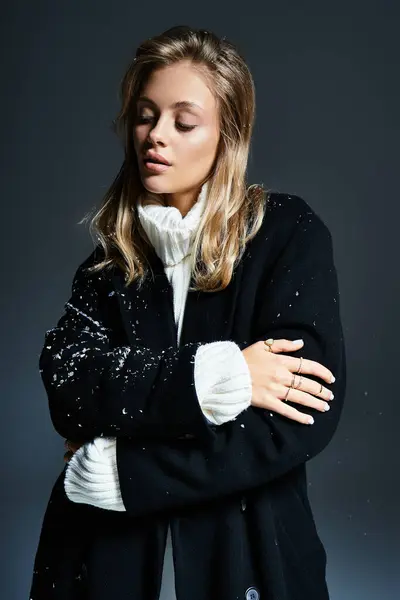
(181, 104)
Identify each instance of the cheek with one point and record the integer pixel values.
(200, 145)
(138, 137)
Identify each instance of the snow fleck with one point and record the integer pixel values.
(84, 315)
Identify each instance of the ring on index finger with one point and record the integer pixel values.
(268, 344)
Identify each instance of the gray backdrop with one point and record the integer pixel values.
(327, 128)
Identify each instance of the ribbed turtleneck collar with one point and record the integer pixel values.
(169, 232)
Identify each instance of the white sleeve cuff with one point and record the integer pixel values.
(222, 380)
(92, 475)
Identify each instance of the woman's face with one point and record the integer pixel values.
(186, 135)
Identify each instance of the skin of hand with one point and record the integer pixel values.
(272, 375)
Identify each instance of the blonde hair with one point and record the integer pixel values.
(234, 212)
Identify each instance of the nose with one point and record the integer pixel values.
(158, 134)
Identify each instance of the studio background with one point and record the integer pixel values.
(327, 129)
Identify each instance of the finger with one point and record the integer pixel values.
(311, 367)
(303, 398)
(270, 403)
(303, 384)
(292, 413)
(284, 345)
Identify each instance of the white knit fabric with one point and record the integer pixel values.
(92, 476)
(171, 236)
(221, 374)
(222, 381)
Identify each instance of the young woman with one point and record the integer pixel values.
(193, 368)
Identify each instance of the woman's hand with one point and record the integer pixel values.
(72, 447)
(272, 376)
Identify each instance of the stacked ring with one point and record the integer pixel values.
(292, 386)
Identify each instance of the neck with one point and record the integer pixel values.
(183, 201)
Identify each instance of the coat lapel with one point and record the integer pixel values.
(148, 315)
(147, 311)
(209, 316)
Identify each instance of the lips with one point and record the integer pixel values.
(155, 167)
(154, 162)
(155, 158)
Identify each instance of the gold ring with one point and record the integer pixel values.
(301, 361)
(291, 387)
(293, 380)
(268, 343)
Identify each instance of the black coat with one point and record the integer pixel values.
(235, 495)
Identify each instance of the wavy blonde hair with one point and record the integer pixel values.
(234, 211)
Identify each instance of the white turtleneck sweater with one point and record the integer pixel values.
(221, 374)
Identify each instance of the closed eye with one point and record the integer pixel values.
(179, 125)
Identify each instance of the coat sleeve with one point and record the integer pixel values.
(299, 298)
(96, 388)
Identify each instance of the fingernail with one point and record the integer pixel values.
(333, 379)
(310, 421)
(298, 342)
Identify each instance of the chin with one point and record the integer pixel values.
(155, 185)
